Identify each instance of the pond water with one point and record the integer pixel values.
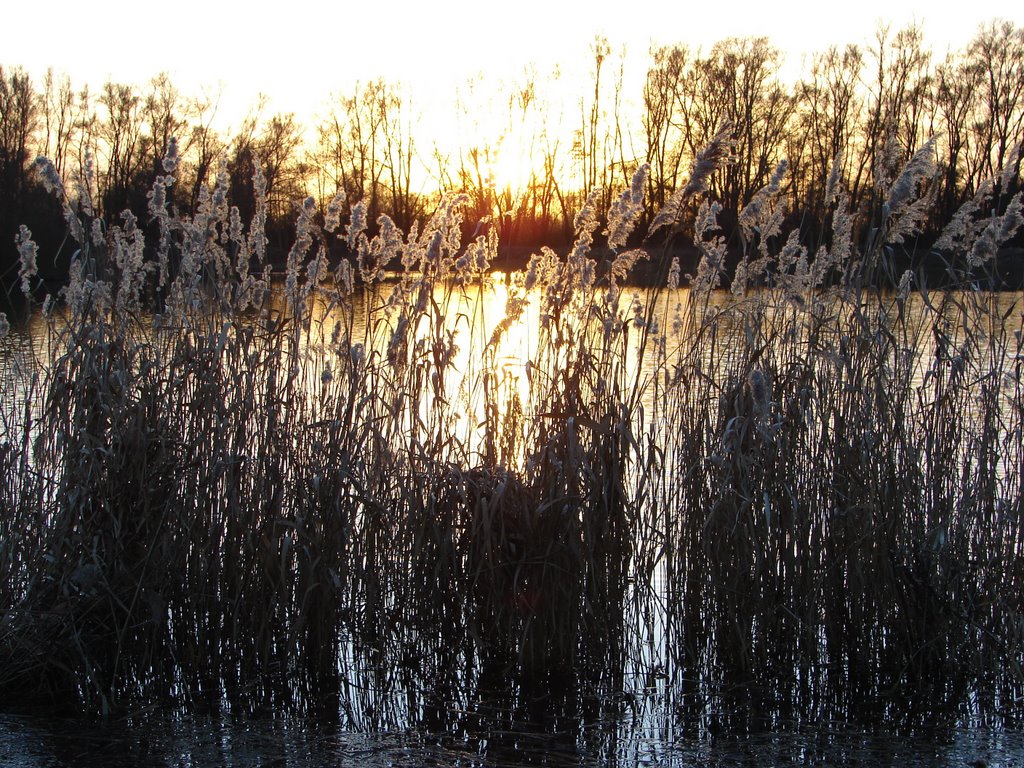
(27, 742)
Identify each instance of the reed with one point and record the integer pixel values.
(318, 496)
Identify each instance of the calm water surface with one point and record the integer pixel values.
(26, 742)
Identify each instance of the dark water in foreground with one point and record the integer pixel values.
(31, 743)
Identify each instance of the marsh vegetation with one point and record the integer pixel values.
(357, 494)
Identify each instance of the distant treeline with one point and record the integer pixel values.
(857, 115)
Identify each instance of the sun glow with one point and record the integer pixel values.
(501, 134)
(433, 47)
(512, 170)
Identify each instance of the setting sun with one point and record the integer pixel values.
(511, 168)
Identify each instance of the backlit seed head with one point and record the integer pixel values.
(757, 385)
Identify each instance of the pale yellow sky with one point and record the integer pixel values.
(299, 53)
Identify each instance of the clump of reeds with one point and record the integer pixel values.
(843, 485)
(322, 491)
(227, 488)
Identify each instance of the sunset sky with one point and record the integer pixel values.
(300, 53)
(454, 61)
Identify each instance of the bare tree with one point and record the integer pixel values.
(827, 121)
(957, 81)
(18, 119)
(278, 148)
(121, 139)
(399, 154)
(201, 147)
(365, 148)
(660, 122)
(737, 84)
(998, 52)
(163, 116)
(591, 120)
(58, 108)
(892, 129)
(275, 144)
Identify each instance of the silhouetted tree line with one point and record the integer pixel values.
(857, 116)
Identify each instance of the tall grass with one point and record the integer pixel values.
(843, 487)
(331, 494)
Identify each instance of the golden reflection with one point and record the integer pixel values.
(484, 384)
